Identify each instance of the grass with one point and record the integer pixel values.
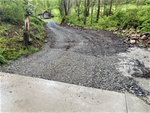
(11, 45)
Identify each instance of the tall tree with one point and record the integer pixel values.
(88, 8)
(110, 6)
(85, 11)
(92, 7)
(98, 11)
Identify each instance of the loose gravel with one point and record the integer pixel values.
(81, 57)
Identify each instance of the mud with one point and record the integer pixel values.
(89, 42)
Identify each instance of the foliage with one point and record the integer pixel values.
(35, 21)
(3, 60)
(145, 27)
(13, 14)
(12, 46)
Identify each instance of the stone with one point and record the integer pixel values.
(146, 33)
(115, 32)
(6, 29)
(135, 38)
(46, 41)
(142, 45)
(6, 34)
(132, 41)
(137, 31)
(124, 31)
(126, 40)
(133, 35)
(144, 37)
(138, 35)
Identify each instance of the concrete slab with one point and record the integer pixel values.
(136, 105)
(26, 94)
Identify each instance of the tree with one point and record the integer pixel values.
(85, 11)
(93, 3)
(98, 11)
(110, 7)
(88, 8)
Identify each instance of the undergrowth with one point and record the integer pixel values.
(132, 18)
(11, 45)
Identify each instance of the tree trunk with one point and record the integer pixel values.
(65, 7)
(110, 7)
(104, 7)
(27, 30)
(85, 13)
(92, 14)
(98, 11)
(88, 8)
(78, 4)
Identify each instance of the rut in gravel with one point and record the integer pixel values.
(77, 56)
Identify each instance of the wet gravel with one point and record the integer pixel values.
(81, 57)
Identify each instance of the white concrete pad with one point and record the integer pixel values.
(26, 94)
(136, 105)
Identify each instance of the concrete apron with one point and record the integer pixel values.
(26, 94)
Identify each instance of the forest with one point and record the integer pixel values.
(87, 14)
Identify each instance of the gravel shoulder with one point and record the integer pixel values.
(82, 57)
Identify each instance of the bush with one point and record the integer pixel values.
(35, 21)
(13, 14)
(3, 60)
(145, 27)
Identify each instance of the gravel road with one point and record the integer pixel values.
(82, 57)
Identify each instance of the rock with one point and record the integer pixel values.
(146, 72)
(144, 37)
(146, 33)
(132, 41)
(135, 38)
(133, 35)
(142, 45)
(126, 40)
(6, 29)
(115, 32)
(131, 32)
(6, 34)
(138, 35)
(136, 72)
(46, 41)
(148, 42)
(137, 31)
(124, 31)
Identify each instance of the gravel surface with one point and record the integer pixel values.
(76, 56)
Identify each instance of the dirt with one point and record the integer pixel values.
(89, 42)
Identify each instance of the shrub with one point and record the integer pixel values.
(13, 14)
(3, 60)
(35, 21)
(145, 27)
